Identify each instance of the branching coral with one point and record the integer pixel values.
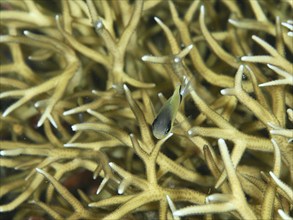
(82, 81)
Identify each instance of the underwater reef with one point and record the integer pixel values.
(81, 82)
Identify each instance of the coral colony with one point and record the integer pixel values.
(82, 82)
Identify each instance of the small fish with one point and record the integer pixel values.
(163, 123)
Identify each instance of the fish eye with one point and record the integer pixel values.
(244, 77)
(168, 127)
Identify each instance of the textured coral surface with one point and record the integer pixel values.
(81, 82)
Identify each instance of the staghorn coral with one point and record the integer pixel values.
(82, 81)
